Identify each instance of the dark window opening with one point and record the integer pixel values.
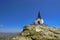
(38, 22)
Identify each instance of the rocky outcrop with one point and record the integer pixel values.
(38, 32)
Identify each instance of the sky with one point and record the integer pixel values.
(15, 14)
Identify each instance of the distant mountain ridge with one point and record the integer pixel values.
(6, 36)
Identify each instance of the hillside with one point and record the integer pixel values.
(38, 32)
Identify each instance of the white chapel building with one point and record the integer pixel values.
(39, 20)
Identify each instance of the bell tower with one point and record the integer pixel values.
(39, 19)
(39, 16)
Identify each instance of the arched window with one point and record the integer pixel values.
(38, 22)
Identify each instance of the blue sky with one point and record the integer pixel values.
(15, 14)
